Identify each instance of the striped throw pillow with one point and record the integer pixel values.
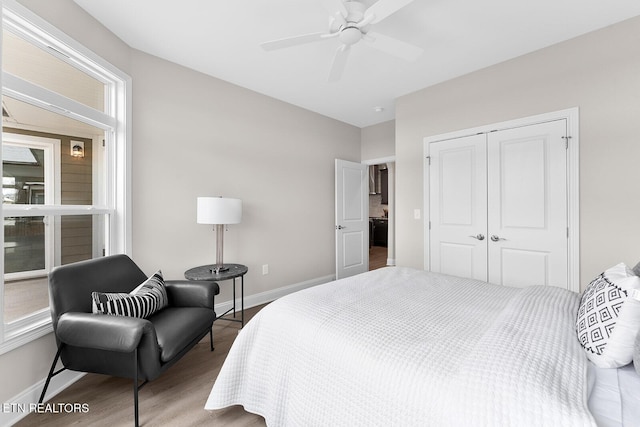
(149, 297)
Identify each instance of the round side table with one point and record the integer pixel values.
(231, 271)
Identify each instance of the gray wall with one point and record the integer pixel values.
(199, 136)
(378, 141)
(599, 73)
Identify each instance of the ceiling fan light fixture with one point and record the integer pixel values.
(350, 35)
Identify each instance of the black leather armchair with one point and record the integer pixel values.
(129, 347)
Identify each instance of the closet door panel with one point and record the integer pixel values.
(527, 200)
(523, 267)
(458, 207)
(523, 196)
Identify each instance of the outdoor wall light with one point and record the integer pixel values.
(77, 148)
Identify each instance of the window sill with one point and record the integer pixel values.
(19, 336)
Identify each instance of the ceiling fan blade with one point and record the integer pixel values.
(368, 19)
(395, 47)
(383, 8)
(339, 63)
(336, 21)
(293, 41)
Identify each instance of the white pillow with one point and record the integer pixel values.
(608, 318)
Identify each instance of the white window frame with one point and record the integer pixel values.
(115, 203)
(52, 181)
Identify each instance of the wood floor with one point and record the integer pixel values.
(176, 398)
(377, 257)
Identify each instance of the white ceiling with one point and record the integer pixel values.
(222, 37)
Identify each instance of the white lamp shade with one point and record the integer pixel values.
(219, 210)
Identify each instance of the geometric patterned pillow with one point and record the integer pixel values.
(608, 317)
(149, 297)
(636, 269)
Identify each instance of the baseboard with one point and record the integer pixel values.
(391, 261)
(271, 295)
(21, 405)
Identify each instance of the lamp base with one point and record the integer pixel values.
(219, 268)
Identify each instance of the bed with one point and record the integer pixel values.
(405, 347)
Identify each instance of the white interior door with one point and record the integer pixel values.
(527, 200)
(352, 218)
(458, 207)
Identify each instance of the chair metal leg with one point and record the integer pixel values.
(211, 337)
(135, 386)
(51, 372)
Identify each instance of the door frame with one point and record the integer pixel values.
(391, 231)
(572, 116)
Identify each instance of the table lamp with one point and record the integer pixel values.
(219, 211)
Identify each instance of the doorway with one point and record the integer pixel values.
(353, 199)
(381, 203)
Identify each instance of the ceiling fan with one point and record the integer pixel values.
(350, 22)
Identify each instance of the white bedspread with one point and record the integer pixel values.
(404, 347)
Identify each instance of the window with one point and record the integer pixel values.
(28, 170)
(64, 165)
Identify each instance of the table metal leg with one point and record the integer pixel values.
(234, 297)
(234, 305)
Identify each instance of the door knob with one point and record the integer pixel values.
(340, 227)
(479, 236)
(495, 238)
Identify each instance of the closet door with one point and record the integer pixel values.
(527, 205)
(458, 207)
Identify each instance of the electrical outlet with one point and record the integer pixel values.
(265, 269)
(416, 214)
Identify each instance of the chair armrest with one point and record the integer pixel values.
(187, 293)
(102, 331)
